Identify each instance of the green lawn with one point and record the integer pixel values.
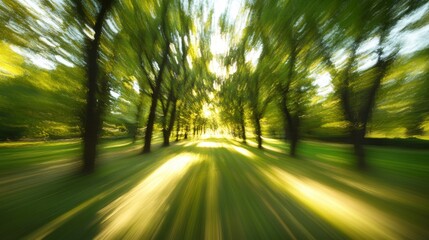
(210, 189)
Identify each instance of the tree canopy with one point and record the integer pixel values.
(332, 70)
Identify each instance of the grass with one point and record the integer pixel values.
(212, 188)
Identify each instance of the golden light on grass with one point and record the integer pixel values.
(122, 144)
(47, 229)
(213, 226)
(354, 217)
(243, 151)
(138, 213)
(209, 145)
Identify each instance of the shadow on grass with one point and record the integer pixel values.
(397, 197)
(226, 196)
(65, 201)
(216, 188)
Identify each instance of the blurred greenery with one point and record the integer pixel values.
(299, 69)
(319, 87)
(211, 188)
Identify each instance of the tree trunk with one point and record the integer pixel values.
(243, 131)
(258, 132)
(242, 125)
(138, 117)
(92, 122)
(150, 121)
(169, 128)
(186, 132)
(177, 129)
(293, 140)
(290, 127)
(153, 105)
(358, 136)
(157, 88)
(166, 138)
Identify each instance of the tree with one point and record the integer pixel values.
(178, 82)
(355, 86)
(92, 122)
(287, 51)
(232, 106)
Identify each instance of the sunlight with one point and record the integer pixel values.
(265, 146)
(384, 192)
(207, 113)
(323, 83)
(243, 151)
(217, 68)
(117, 145)
(253, 55)
(213, 224)
(274, 149)
(209, 145)
(47, 229)
(354, 217)
(218, 44)
(139, 212)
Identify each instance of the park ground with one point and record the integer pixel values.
(212, 188)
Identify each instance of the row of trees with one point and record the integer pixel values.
(168, 50)
(145, 64)
(93, 67)
(351, 41)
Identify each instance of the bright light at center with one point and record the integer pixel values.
(218, 45)
(206, 111)
(217, 68)
(323, 82)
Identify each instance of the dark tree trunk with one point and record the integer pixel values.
(360, 118)
(151, 121)
(177, 129)
(242, 125)
(92, 121)
(359, 130)
(167, 132)
(358, 136)
(166, 138)
(186, 132)
(293, 140)
(290, 127)
(154, 103)
(243, 131)
(258, 132)
(138, 117)
(157, 87)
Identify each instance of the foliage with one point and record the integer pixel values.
(155, 61)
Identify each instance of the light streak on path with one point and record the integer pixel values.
(138, 213)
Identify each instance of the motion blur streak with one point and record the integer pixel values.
(213, 223)
(385, 192)
(355, 218)
(209, 145)
(138, 213)
(243, 151)
(53, 225)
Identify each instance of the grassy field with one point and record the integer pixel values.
(212, 188)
